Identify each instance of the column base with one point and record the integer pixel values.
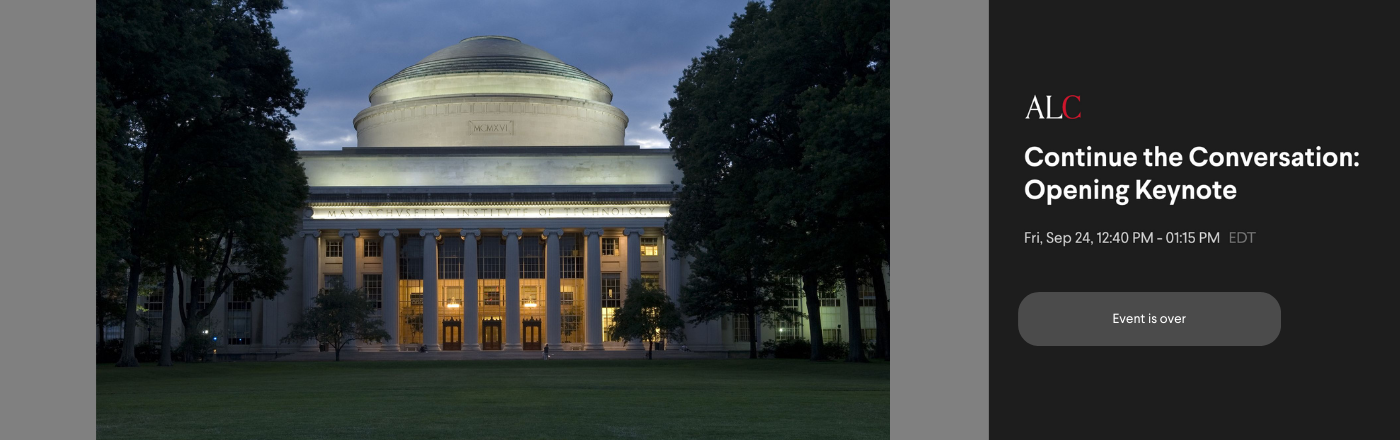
(554, 347)
(635, 346)
(514, 347)
(389, 347)
(434, 347)
(592, 346)
(471, 347)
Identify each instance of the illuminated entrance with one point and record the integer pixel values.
(491, 334)
(531, 334)
(452, 334)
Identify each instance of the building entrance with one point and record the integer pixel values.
(530, 334)
(452, 334)
(491, 334)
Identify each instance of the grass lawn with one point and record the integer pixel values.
(577, 399)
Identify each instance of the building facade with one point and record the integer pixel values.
(489, 204)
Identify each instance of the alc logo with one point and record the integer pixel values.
(1047, 113)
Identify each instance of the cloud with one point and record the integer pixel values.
(340, 50)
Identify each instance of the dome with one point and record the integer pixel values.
(490, 91)
(491, 53)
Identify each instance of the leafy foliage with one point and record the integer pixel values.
(339, 315)
(647, 314)
(782, 132)
(195, 164)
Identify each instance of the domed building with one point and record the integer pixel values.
(489, 204)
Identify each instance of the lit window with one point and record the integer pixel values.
(571, 326)
(570, 258)
(491, 295)
(372, 248)
(334, 281)
(608, 322)
(566, 295)
(609, 245)
(531, 258)
(612, 287)
(649, 247)
(652, 279)
(333, 248)
(789, 329)
(374, 289)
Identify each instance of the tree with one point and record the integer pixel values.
(744, 292)
(782, 132)
(649, 315)
(200, 94)
(339, 315)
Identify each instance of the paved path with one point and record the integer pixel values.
(496, 355)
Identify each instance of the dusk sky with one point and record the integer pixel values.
(342, 49)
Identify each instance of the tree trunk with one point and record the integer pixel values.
(814, 315)
(753, 334)
(882, 311)
(337, 354)
(128, 358)
(857, 350)
(167, 315)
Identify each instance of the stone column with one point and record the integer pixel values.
(310, 278)
(347, 270)
(551, 288)
(672, 278)
(347, 258)
(594, 273)
(634, 270)
(430, 296)
(390, 309)
(512, 323)
(470, 291)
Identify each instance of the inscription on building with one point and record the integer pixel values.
(492, 127)
(492, 211)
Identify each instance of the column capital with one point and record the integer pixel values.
(313, 233)
(632, 231)
(473, 233)
(555, 232)
(426, 232)
(510, 232)
(349, 232)
(388, 232)
(593, 231)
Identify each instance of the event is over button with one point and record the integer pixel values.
(1149, 318)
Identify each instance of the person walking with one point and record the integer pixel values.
(546, 351)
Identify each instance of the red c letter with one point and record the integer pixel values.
(1065, 103)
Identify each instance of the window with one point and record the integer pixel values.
(652, 279)
(566, 295)
(649, 247)
(609, 245)
(372, 248)
(334, 281)
(374, 289)
(741, 328)
(789, 329)
(529, 297)
(571, 326)
(240, 317)
(867, 293)
(531, 258)
(608, 313)
(155, 302)
(333, 248)
(449, 259)
(612, 290)
(831, 334)
(829, 298)
(491, 295)
(867, 334)
(491, 258)
(570, 257)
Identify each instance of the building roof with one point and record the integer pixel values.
(489, 53)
